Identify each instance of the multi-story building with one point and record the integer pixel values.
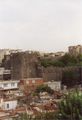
(75, 50)
(8, 94)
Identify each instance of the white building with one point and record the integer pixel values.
(8, 88)
(55, 85)
(8, 104)
(8, 85)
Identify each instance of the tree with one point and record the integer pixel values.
(71, 76)
(44, 88)
(79, 57)
(70, 108)
(66, 60)
(23, 116)
(69, 60)
(46, 62)
(41, 116)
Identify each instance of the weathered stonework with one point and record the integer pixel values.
(24, 65)
(27, 65)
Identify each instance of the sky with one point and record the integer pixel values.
(42, 25)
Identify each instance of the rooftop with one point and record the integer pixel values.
(9, 81)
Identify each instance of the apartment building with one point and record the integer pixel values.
(75, 50)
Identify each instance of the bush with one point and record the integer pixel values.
(44, 88)
(70, 108)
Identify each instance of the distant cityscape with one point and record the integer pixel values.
(33, 82)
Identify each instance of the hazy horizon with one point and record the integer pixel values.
(41, 25)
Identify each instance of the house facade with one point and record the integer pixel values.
(55, 85)
(8, 104)
(8, 85)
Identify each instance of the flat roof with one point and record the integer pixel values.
(33, 79)
(9, 81)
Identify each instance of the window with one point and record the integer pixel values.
(33, 81)
(12, 84)
(27, 82)
(5, 84)
(7, 105)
